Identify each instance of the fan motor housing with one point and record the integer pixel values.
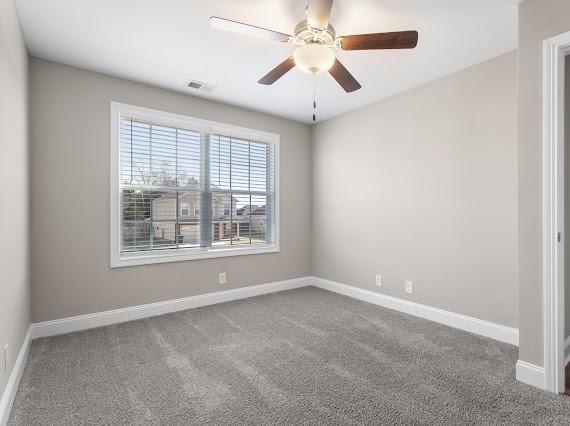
(305, 34)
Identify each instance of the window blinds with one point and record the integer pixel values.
(184, 189)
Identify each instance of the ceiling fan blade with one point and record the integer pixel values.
(395, 40)
(241, 28)
(343, 77)
(278, 72)
(318, 13)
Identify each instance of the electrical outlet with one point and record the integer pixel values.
(222, 278)
(6, 358)
(379, 280)
(409, 287)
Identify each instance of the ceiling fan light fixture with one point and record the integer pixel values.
(317, 44)
(314, 58)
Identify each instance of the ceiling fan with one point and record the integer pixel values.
(317, 42)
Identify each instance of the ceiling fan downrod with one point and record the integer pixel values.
(314, 97)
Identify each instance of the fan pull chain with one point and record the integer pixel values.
(314, 98)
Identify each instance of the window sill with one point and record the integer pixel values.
(189, 254)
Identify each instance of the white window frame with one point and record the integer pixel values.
(119, 110)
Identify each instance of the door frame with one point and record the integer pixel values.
(554, 50)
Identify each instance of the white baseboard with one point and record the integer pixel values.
(463, 322)
(99, 319)
(14, 380)
(530, 374)
(567, 351)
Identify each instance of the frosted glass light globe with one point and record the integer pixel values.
(314, 58)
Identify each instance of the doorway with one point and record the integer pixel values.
(566, 119)
(556, 51)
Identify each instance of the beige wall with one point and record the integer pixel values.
(14, 249)
(423, 187)
(538, 20)
(70, 198)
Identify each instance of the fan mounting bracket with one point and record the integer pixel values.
(305, 34)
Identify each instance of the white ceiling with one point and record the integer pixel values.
(167, 42)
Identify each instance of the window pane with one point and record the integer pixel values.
(221, 218)
(136, 226)
(240, 224)
(135, 153)
(259, 219)
(221, 233)
(148, 220)
(189, 235)
(246, 169)
(239, 165)
(135, 236)
(189, 219)
(159, 155)
(163, 155)
(163, 206)
(220, 162)
(163, 235)
(258, 168)
(188, 163)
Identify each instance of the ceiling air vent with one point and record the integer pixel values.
(198, 85)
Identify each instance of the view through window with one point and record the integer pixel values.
(182, 189)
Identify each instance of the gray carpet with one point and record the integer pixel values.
(304, 356)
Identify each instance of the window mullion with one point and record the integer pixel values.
(249, 187)
(131, 146)
(177, 224)
(177, 204)
(150, 233)
(231, 200)
(269, 197)
(206, 194)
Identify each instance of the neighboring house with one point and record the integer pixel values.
(246, 210)
(225, 216)
(260, 211)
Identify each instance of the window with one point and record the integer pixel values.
(184, 209)
(183, 188)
